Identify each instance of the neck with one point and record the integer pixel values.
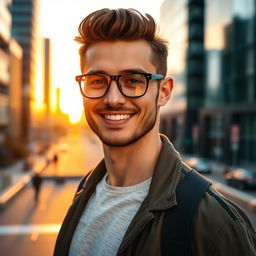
(130, 165)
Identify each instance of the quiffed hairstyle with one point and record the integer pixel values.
(126, 25)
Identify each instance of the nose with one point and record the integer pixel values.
(114, 97)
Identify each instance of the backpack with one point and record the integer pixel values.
(177, 230)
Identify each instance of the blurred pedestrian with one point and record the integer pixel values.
(122, 205)
(55, 159)
(37, 182)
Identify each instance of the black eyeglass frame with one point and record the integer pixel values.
(116, 78)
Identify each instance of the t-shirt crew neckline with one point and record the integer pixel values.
(115, 189)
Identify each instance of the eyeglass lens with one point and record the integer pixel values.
(132, 85)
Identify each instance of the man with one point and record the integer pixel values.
(121, 207)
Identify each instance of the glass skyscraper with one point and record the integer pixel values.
(24, 30)
(230, 100)
(5, 37)
(212, 61)
(182, 23)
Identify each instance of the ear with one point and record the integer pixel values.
(165, 91)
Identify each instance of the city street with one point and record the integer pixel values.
(77, 154)
(30, 228)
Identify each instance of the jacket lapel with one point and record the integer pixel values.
(161, 195)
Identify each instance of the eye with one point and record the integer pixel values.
(132, 80)
(96, 81)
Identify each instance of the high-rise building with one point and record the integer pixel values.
(212, 60)
(24, 30)
(15, 93)
(5, 36)
(10, 87)
(228, 119)
(182, 24)
(47, 74)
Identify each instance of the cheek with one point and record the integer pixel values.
(88, 104)
(87, 109)
(149, 111)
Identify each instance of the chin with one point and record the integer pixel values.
(122, 141)
(118, 142)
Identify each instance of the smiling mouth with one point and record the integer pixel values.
(117, 117)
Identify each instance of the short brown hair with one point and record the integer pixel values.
(122, 24)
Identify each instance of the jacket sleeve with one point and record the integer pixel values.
(222, 228)
(236, 239)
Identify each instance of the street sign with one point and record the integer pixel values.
(234, 136)
(234, 139)
(195, 133)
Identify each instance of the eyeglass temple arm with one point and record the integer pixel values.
(156, 76)
(78, 78)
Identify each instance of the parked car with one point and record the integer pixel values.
(241, 178)
(200, 164)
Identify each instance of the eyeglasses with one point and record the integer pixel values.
(131, 85)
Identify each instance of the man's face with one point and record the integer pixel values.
(118, 120)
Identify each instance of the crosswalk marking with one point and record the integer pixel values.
(29, 229)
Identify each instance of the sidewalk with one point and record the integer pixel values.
(246, 200)
(74, 151)
(14, 178)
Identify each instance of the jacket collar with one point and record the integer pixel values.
(165, 178)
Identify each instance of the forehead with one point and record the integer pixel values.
(113, 57)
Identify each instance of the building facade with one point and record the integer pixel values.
(212, 61)
(10, 89)
(24, 30)
(182, 24)
(47, 74)
(5, 37)
(228, 119)
(15, 93)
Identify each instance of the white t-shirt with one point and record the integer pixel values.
(106, 218)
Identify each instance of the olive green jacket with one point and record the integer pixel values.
(221, 228)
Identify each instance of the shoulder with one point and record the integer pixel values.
(222, 228)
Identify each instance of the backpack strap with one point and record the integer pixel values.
(178, 227)
(81, 185)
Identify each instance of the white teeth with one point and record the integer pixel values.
(117, 117)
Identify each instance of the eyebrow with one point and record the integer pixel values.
(136, 70)
(94, 72)
(125, 71)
